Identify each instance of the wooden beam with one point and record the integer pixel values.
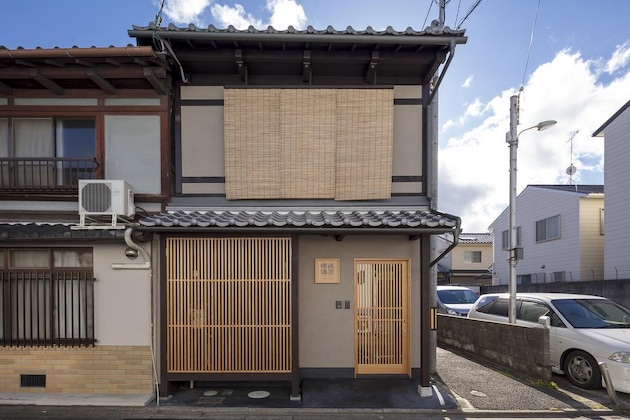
(4, 89)
(113, 62)
(83, 62)
(158, 84)
(54, 63)
(46, 82)
(306, 67)
(78, 73)
(240, 64)
(25, 63)
(370, 74)
(101, 82)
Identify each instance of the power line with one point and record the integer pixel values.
(531, 41)
(468, 13)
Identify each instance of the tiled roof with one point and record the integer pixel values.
(475, 238)
(25, 231)
(581, 189)
(301, 220)
(434, 29)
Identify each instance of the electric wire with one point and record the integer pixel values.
(531, 41)
(424, 25)
(468, 13)
(457, 14)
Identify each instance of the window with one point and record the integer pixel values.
(548, 229)
(531, 311)
(472, 256)
(46, 152)
(46, 297)
(505, 238)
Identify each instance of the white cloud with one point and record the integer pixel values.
(186, 11)
(467, 82)
(235, 16)
(285, 13)
(619, 58)
(474, 167)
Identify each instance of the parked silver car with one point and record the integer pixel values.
(584, 331)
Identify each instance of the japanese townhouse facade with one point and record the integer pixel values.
(297, 239)
(73, 317)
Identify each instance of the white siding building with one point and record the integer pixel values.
(616, 133)
(560, 231)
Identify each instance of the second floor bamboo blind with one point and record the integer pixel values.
(308, 143)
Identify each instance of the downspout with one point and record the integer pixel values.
(433, 160)
(451, 50)
(456, 233)
(141, 251)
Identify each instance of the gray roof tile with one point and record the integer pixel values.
(31, 231)
(304, 219)
(433, 29)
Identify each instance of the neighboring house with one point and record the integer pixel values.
(468, 263)
(297, 241)
(560, 228)
(73, 319)
(616, 132)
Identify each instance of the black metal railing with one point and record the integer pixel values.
(45, 174)
(46, 308)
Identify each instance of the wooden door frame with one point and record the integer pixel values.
(406, 299)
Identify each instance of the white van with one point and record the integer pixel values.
(455, 300)
(584, 331)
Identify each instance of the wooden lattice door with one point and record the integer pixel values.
(382, 317)
(228, 305)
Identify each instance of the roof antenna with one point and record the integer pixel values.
(571, 170)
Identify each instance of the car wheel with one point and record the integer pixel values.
(582, 370)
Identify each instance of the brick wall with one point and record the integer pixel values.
(80, 370)
(516, 348)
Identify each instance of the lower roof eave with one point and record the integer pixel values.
(437, 230)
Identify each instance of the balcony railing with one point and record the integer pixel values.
(45, 174)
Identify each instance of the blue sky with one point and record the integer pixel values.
(569, 58)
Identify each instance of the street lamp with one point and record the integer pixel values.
(512, 139)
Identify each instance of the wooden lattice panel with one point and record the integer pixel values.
(381, 322)
(229, 305)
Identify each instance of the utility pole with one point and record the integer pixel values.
(442, 15)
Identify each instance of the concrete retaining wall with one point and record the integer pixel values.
(521, 350)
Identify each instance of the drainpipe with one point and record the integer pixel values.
(141, 251)
(451, 50)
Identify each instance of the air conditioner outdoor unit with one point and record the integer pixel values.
(105, 198)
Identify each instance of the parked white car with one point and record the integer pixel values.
(455, 300)
(584, 331)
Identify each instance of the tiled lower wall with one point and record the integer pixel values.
(79, 370)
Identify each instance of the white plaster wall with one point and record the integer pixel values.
(326, 334)
(122, 299)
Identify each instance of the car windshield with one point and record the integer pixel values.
(594, 313)
(454, 296)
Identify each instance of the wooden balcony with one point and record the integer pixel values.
(45, 174)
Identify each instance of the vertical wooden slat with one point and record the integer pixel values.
(381, 314)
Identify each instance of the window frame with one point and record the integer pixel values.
(47, 306)
(505, 238)
(469, 256)
(543, 229)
